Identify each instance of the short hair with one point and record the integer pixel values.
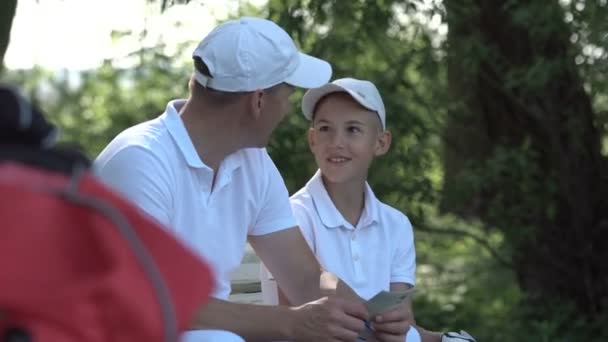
(215, 97)
(218, 97)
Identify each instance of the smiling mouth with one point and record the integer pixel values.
(338, 159)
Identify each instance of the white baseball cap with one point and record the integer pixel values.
(248, 54)
(364, 92)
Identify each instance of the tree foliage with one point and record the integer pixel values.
(526, 152)
(7, 13)
(92, 107)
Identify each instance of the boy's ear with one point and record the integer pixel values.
(311, 137)
(384, 143)
(256, 103)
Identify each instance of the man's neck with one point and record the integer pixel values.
(213, 134)
(348, 198)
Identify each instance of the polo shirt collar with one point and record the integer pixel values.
(329, 214)
(172, 120)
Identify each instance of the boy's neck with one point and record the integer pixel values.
(348, 198)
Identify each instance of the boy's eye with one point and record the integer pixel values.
(323, 128)
(354, 129)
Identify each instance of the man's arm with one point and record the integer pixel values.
(339, 316)
(296, 269)
(327, 319)
(246, 320)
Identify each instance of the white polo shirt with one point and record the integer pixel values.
(156, 165)
(368, 257)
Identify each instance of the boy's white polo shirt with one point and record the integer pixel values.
(156, 165)
(368, 257)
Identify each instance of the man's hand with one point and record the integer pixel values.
(393, 325)
(330, 319)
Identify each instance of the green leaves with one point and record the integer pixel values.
(92, 107)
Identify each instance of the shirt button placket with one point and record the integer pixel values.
(354, 244)
(356, 257)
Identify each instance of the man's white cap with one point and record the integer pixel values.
(248, 54)
(364, 92)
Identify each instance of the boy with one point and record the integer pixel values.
(363, 241)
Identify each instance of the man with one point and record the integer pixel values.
(200, 169)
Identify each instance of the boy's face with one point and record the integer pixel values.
(345, 137)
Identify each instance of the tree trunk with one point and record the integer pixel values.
(7, 13)
(523, 151)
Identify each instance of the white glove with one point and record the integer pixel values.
(463, 336)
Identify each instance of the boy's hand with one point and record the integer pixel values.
(393, 325)
(463, 336)
(329, 319)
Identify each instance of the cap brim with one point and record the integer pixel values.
(311, 73)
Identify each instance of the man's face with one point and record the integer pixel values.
(276, 107)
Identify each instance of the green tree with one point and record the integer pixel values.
(524, 143)
(92, 107)
(7, 13)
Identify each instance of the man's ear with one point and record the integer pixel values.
(384, 143)
(256, 103)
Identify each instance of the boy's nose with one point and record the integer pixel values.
(337, 140)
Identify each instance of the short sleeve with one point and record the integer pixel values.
(140, 176)
(275, 212)
(403, 267)
(304, 221)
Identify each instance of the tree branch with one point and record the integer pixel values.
(460, 232)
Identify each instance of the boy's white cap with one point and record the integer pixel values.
(364, 92)
(248, 54)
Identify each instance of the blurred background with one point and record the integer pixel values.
(498, 110)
